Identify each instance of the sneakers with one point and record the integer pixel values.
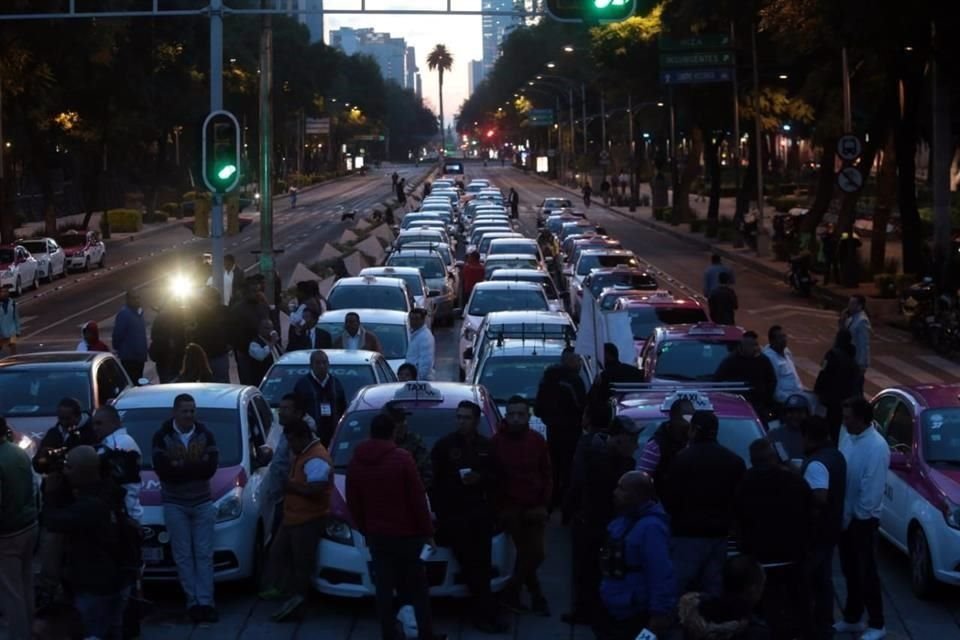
(849, 627)
(874, 634)
(288, 608)
(540, 606)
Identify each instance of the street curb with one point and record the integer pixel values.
(827, 297)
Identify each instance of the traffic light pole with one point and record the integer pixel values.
(266, 157)
(216, 104)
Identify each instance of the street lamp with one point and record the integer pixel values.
(568, 48)
(551, 65)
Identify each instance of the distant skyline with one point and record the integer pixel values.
(461, 35)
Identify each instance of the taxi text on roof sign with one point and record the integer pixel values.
(421, 391)
(703, 329)
(700, 401)
(664, 296)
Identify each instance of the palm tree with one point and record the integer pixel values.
(441, 60)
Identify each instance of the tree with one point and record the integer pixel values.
(440, 60)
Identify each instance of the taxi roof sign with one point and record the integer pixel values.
(706, 329)
(661, 296)
(418, 392)
(699, 400)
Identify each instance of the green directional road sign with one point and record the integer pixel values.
(540, 117)
(696, 59)
(705, 41)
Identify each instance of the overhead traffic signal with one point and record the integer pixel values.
(221, 152)
(591, 10)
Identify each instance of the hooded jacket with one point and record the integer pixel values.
(649, 586)
(95, 343)
(384, 492)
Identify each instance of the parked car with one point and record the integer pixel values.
(18, 269)
(83, 250)
(51, 260)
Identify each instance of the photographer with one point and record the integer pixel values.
(64, 436)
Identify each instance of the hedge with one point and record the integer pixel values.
(124, 220)
(172, 209)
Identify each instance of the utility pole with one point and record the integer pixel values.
(266, 155)
(735, 149)
(633, 155)
(847, 110)
(761, 230)
(674, 178)
(216, 104)
(573, 131)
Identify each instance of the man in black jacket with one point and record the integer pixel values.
(614, 371)
(209, 333)
(723, 301)
(670, 438)
(749, 366)
(309, 335)
(772, 513)
(185, 457)
(322, 394)
(462, 498)
(698, 493)
(561, 400)
(602, 458)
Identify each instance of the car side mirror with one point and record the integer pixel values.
(433, 293)
(468, 353)
(899, 461)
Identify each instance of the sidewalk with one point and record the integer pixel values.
(832, 295)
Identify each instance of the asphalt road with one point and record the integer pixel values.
(763, 301)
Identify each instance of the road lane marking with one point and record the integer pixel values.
(902, 366)
(879, 380)
(942, 364)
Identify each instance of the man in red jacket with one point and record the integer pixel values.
(526, 483)
(472, 274)
(389, 506)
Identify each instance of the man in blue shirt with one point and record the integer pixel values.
(638, 590)
(130, 336)
(711, 277)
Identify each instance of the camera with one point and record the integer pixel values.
(52, 460)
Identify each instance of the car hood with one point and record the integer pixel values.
(33, 426)
(225, 479)
(947, 481)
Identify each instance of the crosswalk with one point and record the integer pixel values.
(887, 371)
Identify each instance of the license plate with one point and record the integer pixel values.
(153, 555)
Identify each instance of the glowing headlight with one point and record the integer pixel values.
(25, 443)
(230, 506)
(181, 287)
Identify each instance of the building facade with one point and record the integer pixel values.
(474, 74)
(392, 55)
(496, 28)
(313, 20)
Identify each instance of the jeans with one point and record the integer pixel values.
(818, 583)
(397, 566)
(220, 366)
(698, 564)
(527, 528)
(191, 541)
(293, 557)
(50, 578)
(16, 580)
(858, 560)
(102, 615)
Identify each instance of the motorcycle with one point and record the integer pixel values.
(798, 276)
(918, 304)
(945, 331)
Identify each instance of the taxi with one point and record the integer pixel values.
(83, 250)
(648, 406)
(437, 273)
(354, 370)
(921, 497)
(610, 296)
(531, 275)
(553, 325)
(509, 261)
(658, 308)
(423, 296)
(18, 269)
(370, 292)
(554, 223)
(343, 558)
(392, 328)
(550, 205)
(241, 420)
(591, 259)
(687, 352)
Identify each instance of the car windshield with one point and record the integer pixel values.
(574, 229)
(430, 266)
(508, 263)
(556, 203)
(420, 235)
(413, 280)
(430, 424)
(36, 392)
(578, 250)
(643, 320)
(7, 256)
(691, 359)
(281, 379)
(35, 246)
(505, 376)
(485, 244)
(588, 263)
(941, 436)
(514, 247)
(362, 296)
(72, 240)
(736, 434)
(541, 279)
(483, 301)
(627, 280)
(393, 337)
(142, 423)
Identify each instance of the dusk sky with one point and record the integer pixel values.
(461, 35)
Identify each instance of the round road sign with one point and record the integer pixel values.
(850, 180)
(849, 147)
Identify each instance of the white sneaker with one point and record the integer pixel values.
(849, 627)
(874, 634)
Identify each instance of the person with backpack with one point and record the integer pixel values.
(102, 552)
(638, 589)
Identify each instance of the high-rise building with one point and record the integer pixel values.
(496, 28)
(474, 74)
(419, 88)
(313, 20)
(390, 53)
(410, 81)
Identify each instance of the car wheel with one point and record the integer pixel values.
(922, 581)
(36, 281)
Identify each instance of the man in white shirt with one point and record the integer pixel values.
(233, 279)
(788, 380)
(112, 437)
(868, 457)
(421, 351)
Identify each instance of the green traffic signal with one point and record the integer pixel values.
(227, 172)
(590, 10)
(221, 152)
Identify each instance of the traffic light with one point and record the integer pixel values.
(591, 10)
(221, 151)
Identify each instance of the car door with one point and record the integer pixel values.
(895, 419)
(111, 381)
(259, 422)
(28, 267)
(56, 257)
(384, 372)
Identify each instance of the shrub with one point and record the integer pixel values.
(124, 220)
(886, 285)
(157, 216)
(785, 203)
(902, 281)
(172, 209)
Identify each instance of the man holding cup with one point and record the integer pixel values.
(461, 497)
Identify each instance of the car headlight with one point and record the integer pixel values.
(469, 333)
(338, 531)
(951, 513)
(230, 506)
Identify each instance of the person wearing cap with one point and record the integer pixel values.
(698, 492)
(410, 441)
(787, 438)
(462, 497)
(421, 349)
(749, 366)
(773, 508)
(602, 458)
(388, 503)
(638, 589)
(670, 438)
